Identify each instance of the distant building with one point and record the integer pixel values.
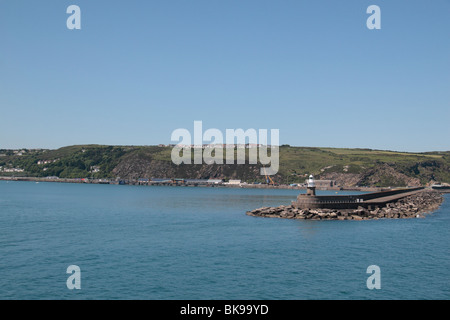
(11, 170)
(42, 162)
(234, 182)
(95, 169)
(143, 181)
(160, 180)
(196, 181)
(215, 181)
(323, 183)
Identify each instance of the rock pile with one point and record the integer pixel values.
(413, 206)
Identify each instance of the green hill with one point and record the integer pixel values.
(349, 167)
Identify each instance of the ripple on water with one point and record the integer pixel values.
(197, 243)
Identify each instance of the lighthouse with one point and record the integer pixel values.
(311, 190)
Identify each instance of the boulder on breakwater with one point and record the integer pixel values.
(414, 206)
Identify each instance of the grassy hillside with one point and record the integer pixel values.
(348, 166)
(346, 163)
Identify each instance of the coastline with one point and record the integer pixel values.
(137, 183)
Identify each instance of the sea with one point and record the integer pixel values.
(197, 243)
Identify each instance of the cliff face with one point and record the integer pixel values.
(391, 174)
(135, 167)
(380, 175)
(386, 175)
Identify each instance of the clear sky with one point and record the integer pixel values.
(138, 70)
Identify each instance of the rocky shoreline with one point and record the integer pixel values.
(414, 206)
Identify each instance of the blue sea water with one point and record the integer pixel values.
(197, 243)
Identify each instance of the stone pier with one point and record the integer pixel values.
(413, 205)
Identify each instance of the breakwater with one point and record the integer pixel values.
(412, 206)
(368, 200)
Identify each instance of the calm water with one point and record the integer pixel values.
(197, 243)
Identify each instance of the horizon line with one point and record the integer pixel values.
(193, 146)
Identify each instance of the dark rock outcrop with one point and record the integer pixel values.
(137, 166)
(381, 174)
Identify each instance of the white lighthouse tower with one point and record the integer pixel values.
(311, 190)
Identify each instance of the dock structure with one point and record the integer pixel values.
(369, 200)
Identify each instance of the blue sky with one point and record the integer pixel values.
(137, 70)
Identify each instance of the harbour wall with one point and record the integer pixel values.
(368, 200)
